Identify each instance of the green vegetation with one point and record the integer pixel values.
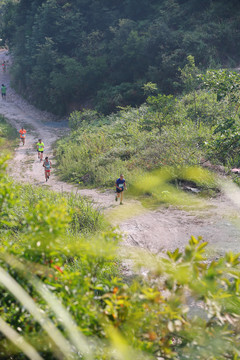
(163, 132)
(71, 53)
(185, 131)
(8, 135)
(61, 295)
(226, 141)
(64, 294)
(135, 140)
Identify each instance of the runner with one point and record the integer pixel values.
(47, 165)
(22, 135)
(4, 66)
(120, 185)
(40, 148)
(3, 91)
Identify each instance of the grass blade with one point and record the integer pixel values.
(19, 341)
(77, 339)
(22, 296)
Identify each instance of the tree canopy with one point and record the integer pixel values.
(73, 53)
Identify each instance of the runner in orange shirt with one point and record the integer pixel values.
(23, 135)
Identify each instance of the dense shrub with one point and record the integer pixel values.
(8, 135)
(166, 131)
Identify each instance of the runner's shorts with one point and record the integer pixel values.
(119, 191)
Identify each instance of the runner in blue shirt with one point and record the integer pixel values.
(47, 165)
(120, 186)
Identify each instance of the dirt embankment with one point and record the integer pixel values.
(161, 229)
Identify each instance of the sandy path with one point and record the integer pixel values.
(164, 228)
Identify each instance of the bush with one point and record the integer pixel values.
(110, 98)
(131, 141)
(84, 118)
(62, 296)
(8, 135)
(83, 217)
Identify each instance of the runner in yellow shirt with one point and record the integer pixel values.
(40, 148)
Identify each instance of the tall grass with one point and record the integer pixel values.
(8, 135)
(84, 217)
(95, 154)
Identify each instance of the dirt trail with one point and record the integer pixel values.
(39, 124)
(164, 228)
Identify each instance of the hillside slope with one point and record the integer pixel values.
(163, 228)
(70, 54)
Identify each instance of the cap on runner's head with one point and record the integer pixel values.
(121, 175)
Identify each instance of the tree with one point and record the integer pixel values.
(225, 145)
(161, 109)
(226, 85)
(190, 79)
